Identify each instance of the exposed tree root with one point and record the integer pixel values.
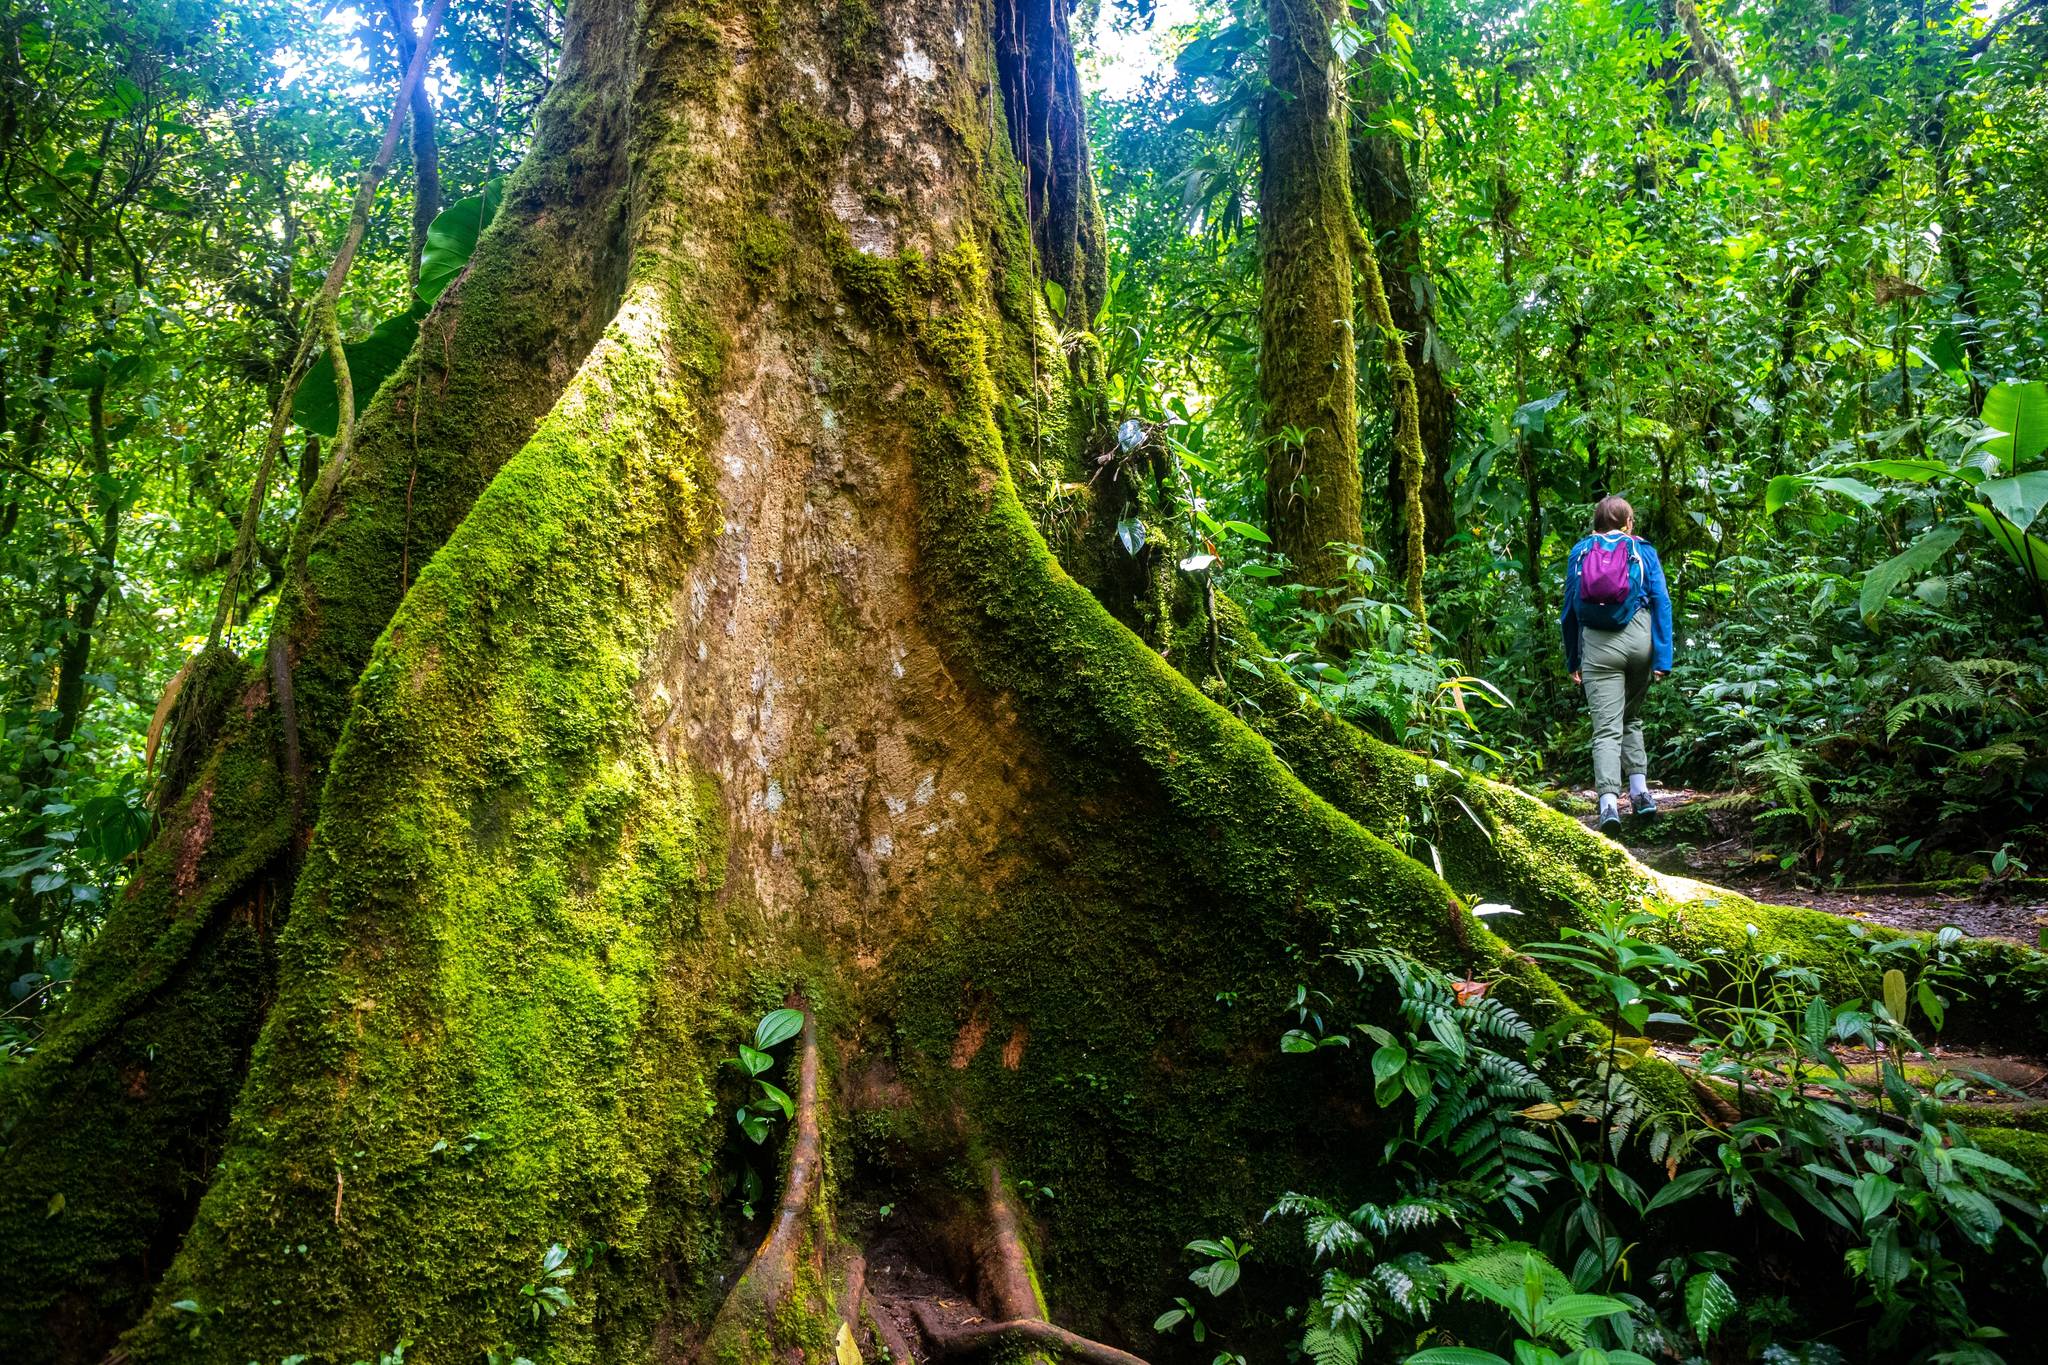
(1001, 1259)
(890, 1337)
(950, 1340)
(774, 1265)
(788, 1268)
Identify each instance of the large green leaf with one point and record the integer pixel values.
(2030, 552)
(2021, 412)
(1782, 490)
(1945, 350)
(452, 236)
(1912, 471)
(1854, 489)
(371, 361)
(2018, 499)
(1882, 581)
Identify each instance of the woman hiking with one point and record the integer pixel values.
(1615, 650)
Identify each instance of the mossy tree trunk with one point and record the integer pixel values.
(735, 672)
(1385, 195)
(1308, 367)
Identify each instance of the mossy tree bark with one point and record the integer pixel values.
(123, 1110)
(736, 668)
(1308, 368)
(1409, 455)
(1385, 195)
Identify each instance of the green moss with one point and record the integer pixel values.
(853, 27)
(2025, 1148)
(1188, 869)
(811, 138)
(124, 1109)
(497, 933)
(764, 251)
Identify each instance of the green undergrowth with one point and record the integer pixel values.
(489, 1033)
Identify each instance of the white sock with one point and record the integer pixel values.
(1638, 785)
(1609, 805)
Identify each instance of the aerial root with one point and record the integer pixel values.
(950, 1340)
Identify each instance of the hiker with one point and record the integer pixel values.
(1615, 650)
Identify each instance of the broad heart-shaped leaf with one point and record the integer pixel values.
(2028, 551)
(1454, 1355)
(451, 238)
(1884, 580)
(371, 361)
(778, 1026)
(1782, 490)
(1056, 298)
(2020, 498)
(2021, 412)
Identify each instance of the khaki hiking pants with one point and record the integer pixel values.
(1616, 667)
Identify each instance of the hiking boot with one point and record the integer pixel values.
(1610, 815)
(1642, 803)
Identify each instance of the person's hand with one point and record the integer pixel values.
(1578, 680)
(1659, 674)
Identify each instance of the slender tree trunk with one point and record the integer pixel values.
(1955, 244)
(738, 675)
(1407, 434)
(75, 658)
(426, 150)
(1307, 360)
(1049, 135)
(1381, 185)
(1791, 319)
(1505, 201)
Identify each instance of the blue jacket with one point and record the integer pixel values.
(1652, 590)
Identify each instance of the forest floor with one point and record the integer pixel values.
(1709, 836)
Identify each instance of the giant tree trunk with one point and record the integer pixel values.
(735, 670)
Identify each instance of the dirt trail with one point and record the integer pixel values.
(1707, 835)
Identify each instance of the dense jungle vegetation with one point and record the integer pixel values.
(1759, 271)
(1775, 272)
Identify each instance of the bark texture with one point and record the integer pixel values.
(740, 670)
(1049, 134)
(1308, 368)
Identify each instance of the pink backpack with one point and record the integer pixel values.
(1610, 569)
